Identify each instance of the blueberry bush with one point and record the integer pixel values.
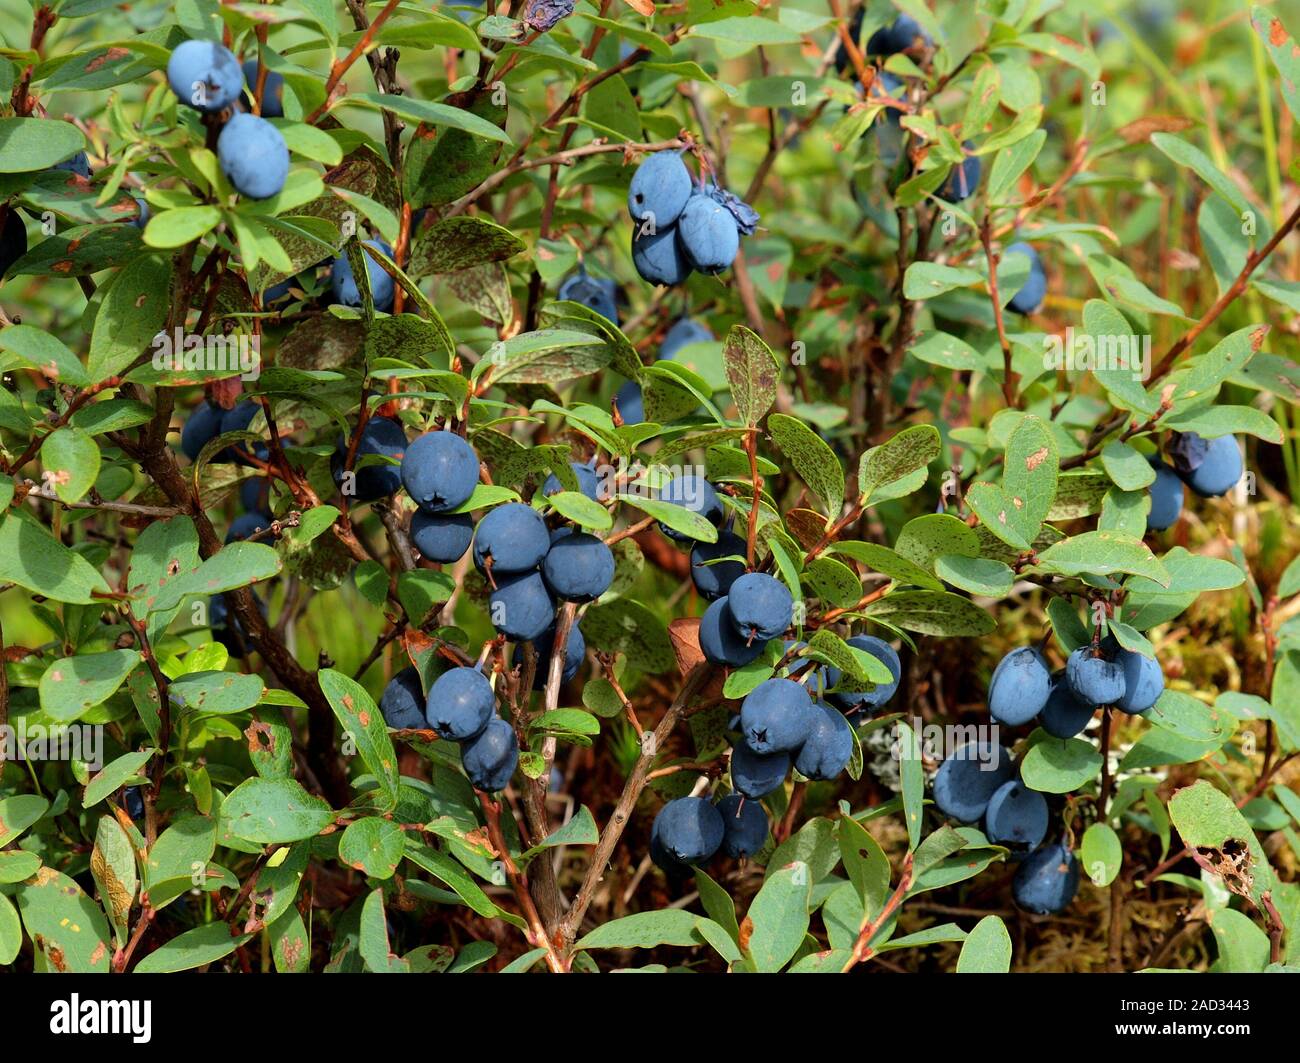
(709, 485)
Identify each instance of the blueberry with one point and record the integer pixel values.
(272, 91)
(690, 829)
(142, 213)
(631, 403)
(1029, 300)
(1064, 716)
(383, 436)
(755, 774)
(439, 471)
(588, 482)
(255, 495)
(134, 802)
(441, 537)
(578, 568)
(1144, 682)
(888, 126)
(1016, 816)
(708, 234)
(1094, 680)
(228, 630)
(490, 757)
(13, 239)
(1019, 687)
(899, 36)
(659, 190)
(1047, 880)
(511, 538)
(761, 606)
(696, 494)
(682, 333)
(714, 581)
(962, 180)
(657, 256)
(521, 607)
(1166, 493)
(662, 858)
(344, 284)
(245, 526)
(402, 702)
(777, 716)
(205, 75)
(575, 650)
(278, 292)
(967, 779)
(851, 701)
(720, 642)
(595, 293)
(744, 826)
(460, 703)
(829, 745)
(237, 419)
(253, 156)
(200, 428)
(1210, 467)
(798, 665)
(78, 164)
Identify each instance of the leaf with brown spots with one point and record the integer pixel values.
(364, 729)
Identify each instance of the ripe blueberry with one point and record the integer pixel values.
(714, 580)
(777, 716)
(578, 567)
(441, 537)
(761, 606)
(343, 283)
(134, 802)
(439, 471)
(13, 239)
(588, 482)
(967, 779)
(595, 293)
(708, 234)
(744, 826)
(255, 495)
(521, 607)
(829, 745)
(659, 190)
(898, 36)
(1166, 493)
(1094, 680)
(460, 703)
(1144, 682)
(205, 75)
(962, 180)
(78, 164)
(490, 757)
(1029, 299)
(254, 157)
(696, 494)
(511, 538)
(246, 525)
(1019, 687)
(575, 650)
(202, 426)
(850, 701)
(658, 257)
(755, 774)
(1047, 880)
(237, 419)
(690, 829)
(402, 702)
(720, 642)
(682, 333)
(1064, 715)
(272, 90)
(1210, 467)
(1016, 816)
(382, 436)
(630, 403)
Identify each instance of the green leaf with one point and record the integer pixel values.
(932, 613)
(1127, 468)
(36, 349)
(644, 930)
(1059, 765)
(1194, 159)
(1210, 422)
(28, 144)
(19, 812)
(1243, 947)
(679, 518)
(435, 114)
(176, 228)
(1103, 553)
(987, 948)
(812, 458)
(460, 242)
(180, 851)
(373, 846)
(362, 721)
(1101, 854)
(925, 280)
(577, 507)
(752, 373)
(193, 948)
(217, 693)
(549, 356)
(67, 929)
(912, 770)
(36, 561)
(235, 565)
(905, 453)
(133, 310)
(118, 773)
(1015, 511)
(778, 917)
(940, 348)
(1210, 822)
(889, 563)
(73, 685)
(977, 575)
(267, 811)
